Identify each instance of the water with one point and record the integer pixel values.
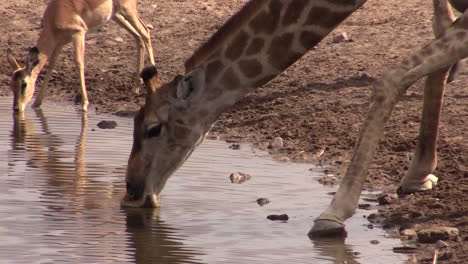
(61, 179)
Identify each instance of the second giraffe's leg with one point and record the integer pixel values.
(419, 177)
(444, 51)
(42, 93)
(79, 45)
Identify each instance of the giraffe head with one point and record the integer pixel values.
(165, 134)
(22, 82)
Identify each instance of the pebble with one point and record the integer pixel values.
(434, 234)
(384, 199)
(239, 177)
(281, 217)
(342, 37)
(441, 244)
(408, 234)
(328, 180)
(104, 124)
(277, 143)
(263, 201)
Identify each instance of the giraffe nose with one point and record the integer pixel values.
(135, 191)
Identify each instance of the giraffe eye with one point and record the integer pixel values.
(153, 131)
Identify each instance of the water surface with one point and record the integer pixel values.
(61, 179)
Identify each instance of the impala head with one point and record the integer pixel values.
(165, 134)
(22, 81)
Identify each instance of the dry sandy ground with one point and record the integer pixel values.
(317, 104)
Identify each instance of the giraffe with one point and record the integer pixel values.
(69, 21)
(255, 45)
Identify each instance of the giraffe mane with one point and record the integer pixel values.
(229, 29)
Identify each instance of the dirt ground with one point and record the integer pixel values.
(316, 106)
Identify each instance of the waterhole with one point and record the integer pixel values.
(62, 178)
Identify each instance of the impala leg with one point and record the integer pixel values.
(42, 93)
(79, 45)
(121, 20)
(444, 51)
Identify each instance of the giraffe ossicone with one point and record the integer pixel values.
(255, 45)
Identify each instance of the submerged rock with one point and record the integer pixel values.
(281, 217)
(239, 177)
(104, 124)
(263, 201)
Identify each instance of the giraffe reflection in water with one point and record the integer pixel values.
(82, 208)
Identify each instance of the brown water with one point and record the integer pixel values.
(61, 179)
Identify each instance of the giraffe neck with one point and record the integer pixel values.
(262, 40)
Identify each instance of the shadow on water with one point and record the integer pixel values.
(62, 178)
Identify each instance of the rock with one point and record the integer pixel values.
(235, 146)
(406, 249)
(104, 124)
(375, 218)
(433, 234)
(328, 180)
(342, 37)
(374, 242)
(441, 244)
(408, 234)
(277, 143)
(239, 177)
(118, 39)
(263, 201)
(282, 217)
(284, 159)
(149, 26)
(364, 206)
(384, 199)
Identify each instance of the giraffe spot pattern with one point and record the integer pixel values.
(250, 68)
(282, 45)
(230, 79)
(309, 39)
(267, 21)
(213, 69)
(255, 46)
(237, 46)
(294, 11)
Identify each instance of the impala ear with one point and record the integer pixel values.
(151, 79)
(12, 61)
(33, 59)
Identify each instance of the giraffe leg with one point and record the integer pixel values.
(43, 91)
(79, 45)
(444, 51)
(419, 176)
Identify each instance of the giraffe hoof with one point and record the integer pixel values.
(425, 185)
(327, 228)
